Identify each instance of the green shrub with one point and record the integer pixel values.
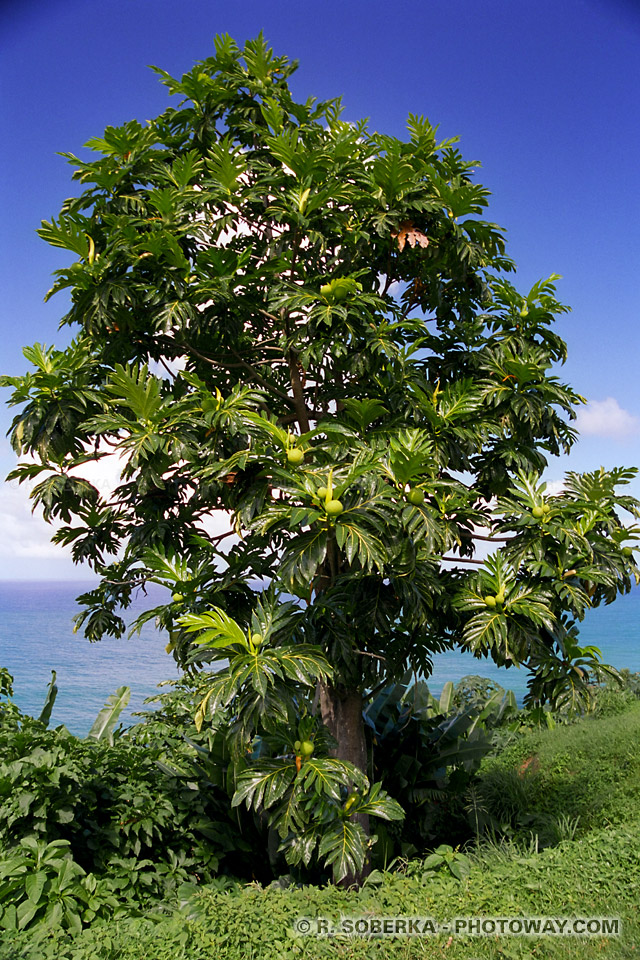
(100, 824)
(91, 831)
(613, 697)
(105, 800)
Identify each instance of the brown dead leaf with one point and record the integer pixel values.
(407, 233)
(532, 765)
(229, 478)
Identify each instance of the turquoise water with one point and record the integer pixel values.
(36, 636)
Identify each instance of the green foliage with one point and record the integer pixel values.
(566, 679)
(52, 692)
(102, 823)
(313, 805)
(41, 883)
(262, 679)
(445, 857)
(272, 323)
(6, 683)
(616, 696)
(426, 751)
(311, 802)
(595, 873)
(102, 727)
(595, 876)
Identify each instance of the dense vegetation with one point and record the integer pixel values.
(134, 827)
(598, 875)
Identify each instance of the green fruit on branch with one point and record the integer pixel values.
(537, 512)
(297, 746)
(322, 492)
(489, 601)
(334, 508)
(339, 289)
(627, 552)
(500, 598)
(416, 496)
(257, 639)
(177, 597)
(349, 802)
(306, 748)
(295, 456)
(546, 508)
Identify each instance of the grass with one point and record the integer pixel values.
(585, 779)
(586, 774)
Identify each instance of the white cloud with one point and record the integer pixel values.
(104, 474)
(26, 551)
(554, 487)
(606, 418)
(24, 534)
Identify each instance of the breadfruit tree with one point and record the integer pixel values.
(287, 320)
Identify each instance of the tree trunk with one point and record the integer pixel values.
(341, 712)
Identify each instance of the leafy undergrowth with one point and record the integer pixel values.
(596, 876)
(565, 782)
(580, 781)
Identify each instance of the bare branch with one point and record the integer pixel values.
(225, 364)
(464, 560)
(491, 539)
(298, 393)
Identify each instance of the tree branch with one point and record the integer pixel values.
(478, 536)
(376, 690)
(269, 316)
(241, 363)
(464, 560)
(168, 369)
(298, 392)
(221, 536)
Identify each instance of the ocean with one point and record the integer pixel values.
(36, 637)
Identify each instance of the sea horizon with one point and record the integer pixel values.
(36, 637)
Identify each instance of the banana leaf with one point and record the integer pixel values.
(104, 723)
(49, 700)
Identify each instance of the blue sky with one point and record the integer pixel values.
(544, 95)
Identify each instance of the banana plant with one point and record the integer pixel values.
(49, 700)
(104, 724)
(428, 750)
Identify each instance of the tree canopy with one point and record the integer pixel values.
(310, 327)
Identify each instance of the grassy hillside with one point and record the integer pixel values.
(582, 780)
(567, 781)
(595, 876)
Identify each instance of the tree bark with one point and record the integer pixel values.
(341, 712)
